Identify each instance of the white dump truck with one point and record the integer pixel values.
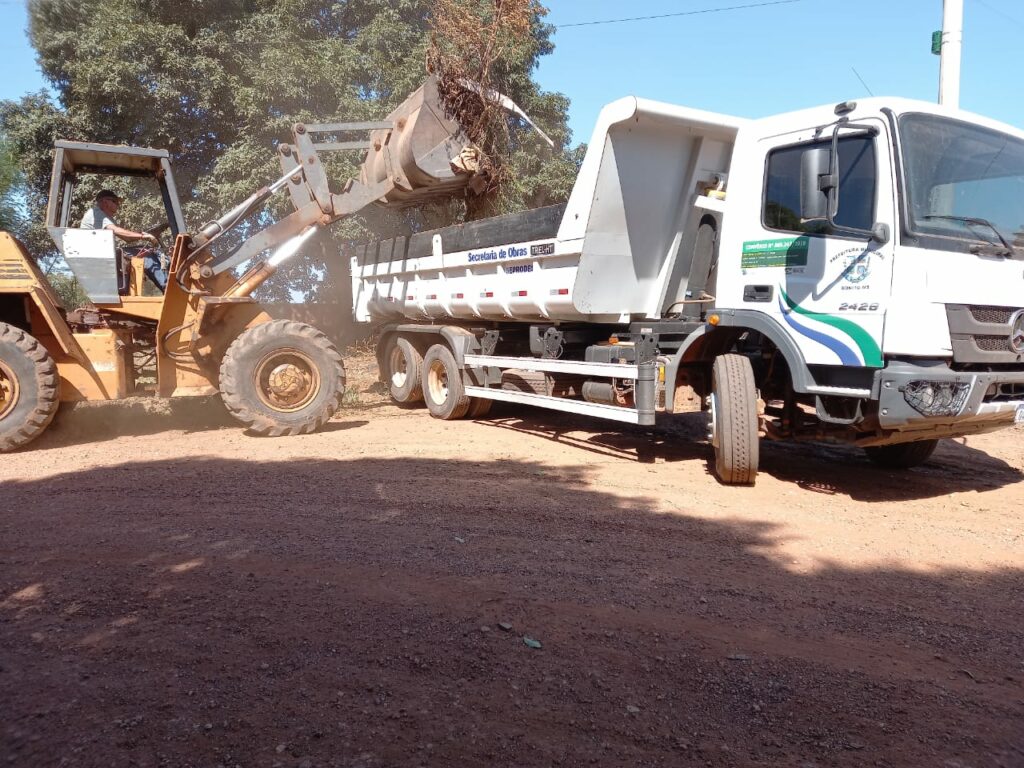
(848, 273)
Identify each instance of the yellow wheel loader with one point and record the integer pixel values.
(206, 333)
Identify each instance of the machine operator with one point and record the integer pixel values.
(101, 216)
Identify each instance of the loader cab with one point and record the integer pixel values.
(91, 254)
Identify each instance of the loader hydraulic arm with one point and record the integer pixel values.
(315, 205)
(417, 153)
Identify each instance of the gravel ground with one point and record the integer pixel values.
(527, 590)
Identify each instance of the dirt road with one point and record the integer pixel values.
(178, 593)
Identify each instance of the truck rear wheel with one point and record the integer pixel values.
(734, 427)
(479, 407)
(443, 390)
(282, 378)
(902, 455)
(403, 370)
(29, 388)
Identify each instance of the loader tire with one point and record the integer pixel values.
(403, 371)
(443, 390)
(29, 388)
(902, 455)
(734, 423)
(282, 378)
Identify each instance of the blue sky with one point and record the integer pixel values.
(749, 62)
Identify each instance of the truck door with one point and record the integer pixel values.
(829, 288)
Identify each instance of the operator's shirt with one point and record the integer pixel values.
(95, 218)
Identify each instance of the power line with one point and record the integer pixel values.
(862, 81)
(1004, 14)
(680, 13)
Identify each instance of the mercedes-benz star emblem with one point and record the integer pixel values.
(1017, 332)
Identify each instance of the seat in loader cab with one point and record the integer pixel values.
(92, 254)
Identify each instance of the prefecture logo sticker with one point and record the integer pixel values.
(857, 267)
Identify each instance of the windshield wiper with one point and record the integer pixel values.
(1008, 250)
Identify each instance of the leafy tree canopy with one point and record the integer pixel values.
(219, 83)
(9, 219)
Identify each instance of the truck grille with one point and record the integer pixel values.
(980, 334)
(992, 343)
(999, 315)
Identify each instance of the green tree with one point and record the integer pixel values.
(8, 187)
(219, 83)
(68, 290)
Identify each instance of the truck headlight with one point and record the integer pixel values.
(936, 398)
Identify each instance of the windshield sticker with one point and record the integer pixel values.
(787, 252)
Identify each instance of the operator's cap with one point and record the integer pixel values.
(108, 194)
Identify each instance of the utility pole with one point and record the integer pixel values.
(949, 57)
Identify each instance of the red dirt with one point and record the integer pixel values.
(174, 592)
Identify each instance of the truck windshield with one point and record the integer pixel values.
(965, 183)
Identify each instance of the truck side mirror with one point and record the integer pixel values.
(816, 184)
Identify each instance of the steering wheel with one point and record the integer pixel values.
(158, 230)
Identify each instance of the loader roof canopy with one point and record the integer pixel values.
(109, 158)
(73, 159)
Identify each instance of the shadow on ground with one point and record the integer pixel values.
(831, 470)
(210, 611)
(827, 469)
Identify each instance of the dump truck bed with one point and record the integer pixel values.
(610, 254)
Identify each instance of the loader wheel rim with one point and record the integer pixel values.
(286, 380)
(9, 390)
(437, 382)
(398, 367)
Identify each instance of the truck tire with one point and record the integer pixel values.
(530, 382)
(479, 407)
(403, 370)
(443, 390)
(282, 378)
(734, 425)
(29, 388)
(901, 455)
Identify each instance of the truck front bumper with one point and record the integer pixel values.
(934, 398)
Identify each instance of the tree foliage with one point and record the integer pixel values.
(8, 186)
(219, 83)
(68, 290)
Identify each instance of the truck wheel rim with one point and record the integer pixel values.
(437, 382)
(9, 390)
(398, 367)
(286, 380)
(713, 420)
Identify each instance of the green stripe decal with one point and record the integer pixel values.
(869, 350)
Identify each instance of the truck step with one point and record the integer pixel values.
(818, 389)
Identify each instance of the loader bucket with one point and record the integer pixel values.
(427, 153)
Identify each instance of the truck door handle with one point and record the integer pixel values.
(757, 293)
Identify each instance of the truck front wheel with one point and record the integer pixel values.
(734, 427)
(901, 455)
(443, 390)
(29, 388)
(282, 378)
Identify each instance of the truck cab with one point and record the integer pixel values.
(873, 244)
